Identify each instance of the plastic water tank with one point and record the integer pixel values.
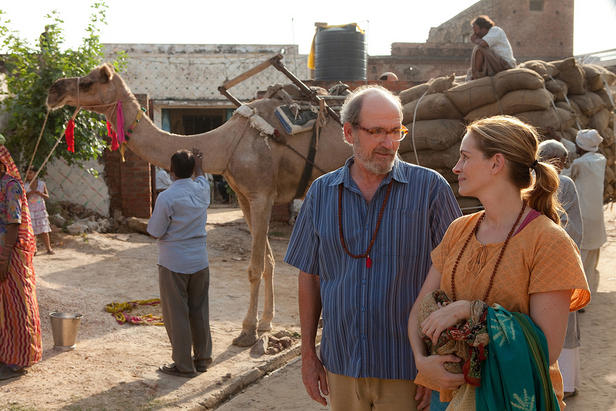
(340, 54)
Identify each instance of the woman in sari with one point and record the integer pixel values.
(513, 254)
(20, 330)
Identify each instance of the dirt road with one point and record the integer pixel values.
(114, 367)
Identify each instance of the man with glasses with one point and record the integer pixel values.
(362, 243)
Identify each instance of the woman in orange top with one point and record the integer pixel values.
(514, 253)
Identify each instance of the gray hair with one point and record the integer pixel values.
(349, 113)
(552, 149)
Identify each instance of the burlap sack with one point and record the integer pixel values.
(473, 94)
(514, 102)
(572, 74)
(517, 79)
(434, 159)
(432, 106)
(589, 103)
(543, 68)
(558, 88)
(433, 134)
(435, 85)
(447, 174)
(570, 135)
(608, 138)
(595, 75)
(413, 93)
(600, 120)
(610, 176)
(605, 95)
(557, 119)
(575, 110)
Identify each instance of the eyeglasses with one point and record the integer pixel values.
(397, 133)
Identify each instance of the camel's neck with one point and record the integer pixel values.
(157, 146)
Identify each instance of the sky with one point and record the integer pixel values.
(277, 21)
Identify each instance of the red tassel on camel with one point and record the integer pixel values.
(70, 136)
(114, 137)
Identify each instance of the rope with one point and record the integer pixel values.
(120, 312)
(37, 143)
(53, 148)
(577, 122)
(413, 125)
(498, 100)
(560, 123)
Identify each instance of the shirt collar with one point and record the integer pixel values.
(344, 176)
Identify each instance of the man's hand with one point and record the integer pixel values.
(422, 397)
(314, 378)
(198, 161)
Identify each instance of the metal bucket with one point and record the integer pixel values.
(64, 327)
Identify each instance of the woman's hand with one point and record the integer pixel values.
(445, 317)
(432, 368)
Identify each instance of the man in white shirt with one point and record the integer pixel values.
(588, 172)
(163, 180)
(492, 52)
(178, 222)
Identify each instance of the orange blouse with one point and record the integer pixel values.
(539, 258)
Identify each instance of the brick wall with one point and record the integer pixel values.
(129, 182)
(545, 32)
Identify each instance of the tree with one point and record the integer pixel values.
(31, 70)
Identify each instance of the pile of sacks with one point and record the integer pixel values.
(557, 97)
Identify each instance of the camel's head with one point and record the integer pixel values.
(95, 89)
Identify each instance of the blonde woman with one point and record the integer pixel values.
(513, 254)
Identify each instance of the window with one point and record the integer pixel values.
(536, 5)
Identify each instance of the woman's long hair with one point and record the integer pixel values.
(518, 143)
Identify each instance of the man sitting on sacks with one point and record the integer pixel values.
(492, 52)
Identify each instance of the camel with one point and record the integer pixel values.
(260, 171)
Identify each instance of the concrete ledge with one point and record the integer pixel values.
(239, 382)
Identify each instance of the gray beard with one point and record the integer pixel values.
(372, 165)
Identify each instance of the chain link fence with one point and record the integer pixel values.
(78, 185)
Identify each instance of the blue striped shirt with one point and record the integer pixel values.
(365, 310)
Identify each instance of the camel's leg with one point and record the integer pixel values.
(265, 323)
(257, 214)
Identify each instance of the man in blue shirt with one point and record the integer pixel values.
(178, 222)
(362, 242)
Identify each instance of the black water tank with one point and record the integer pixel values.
(340, 54)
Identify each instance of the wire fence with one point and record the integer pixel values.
(78, 185)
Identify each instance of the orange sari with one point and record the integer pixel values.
(20, 328)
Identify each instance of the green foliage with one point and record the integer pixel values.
(31, 70)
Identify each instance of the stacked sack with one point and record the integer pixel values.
(557, 97)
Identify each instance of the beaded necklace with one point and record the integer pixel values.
(500, 255)
(365, 255)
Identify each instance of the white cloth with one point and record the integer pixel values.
(178, 221)
(590, 260)
(588, 172)
(163, 179)
(569, 364)
(588, 140)
(499, 44)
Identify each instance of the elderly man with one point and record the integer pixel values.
(492, 52)
(362, 243)
(588, 172)
(571, 220)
